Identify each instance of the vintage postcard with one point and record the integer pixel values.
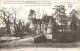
(39, 25)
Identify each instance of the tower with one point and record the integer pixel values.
(49, 30)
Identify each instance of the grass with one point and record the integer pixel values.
(49, 44)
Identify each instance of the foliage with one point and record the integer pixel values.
(61, 16)
(74, 20)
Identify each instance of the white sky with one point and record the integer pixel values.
(23, 14)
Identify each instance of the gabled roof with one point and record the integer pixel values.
(50, 24)
(46, 19)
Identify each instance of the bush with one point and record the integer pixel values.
(69, 37)
(65, 37)
(40, 39)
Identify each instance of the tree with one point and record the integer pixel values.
(10, 20)
(15, 12)
(74, 20)
(61, 16)
(6, 16)
(31, 14)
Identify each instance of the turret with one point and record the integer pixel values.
(49, 30)
(50, 27)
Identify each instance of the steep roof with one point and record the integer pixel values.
(50, 24)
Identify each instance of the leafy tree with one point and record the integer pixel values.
(31, 14)
(61, 16)
(74, 20)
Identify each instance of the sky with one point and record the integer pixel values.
(24, 12)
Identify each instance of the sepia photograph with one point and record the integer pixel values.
(39, 24)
